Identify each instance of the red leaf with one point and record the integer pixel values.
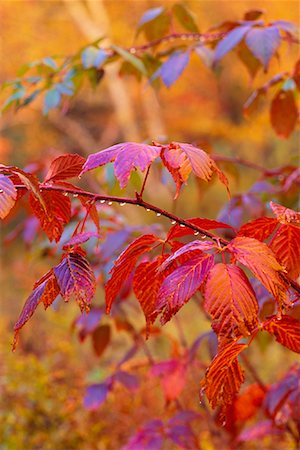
(246, 404)
(259, 229)
(224, 376)
(65, 166)
(263, 43)
(101, 338)
(285, 215)
(284, 113)
(45, 290)
(8, 196)
(146, 283)
(173, 373)
(56, 214)
(75, 277)
(125, 264)
(181, 285)
(286, 246)
(127, 156)
(230, 300)
(182, 159)
(262, 262)
(286, 330)
(206, 224)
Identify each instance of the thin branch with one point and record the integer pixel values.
(253, 372)
(138, 201)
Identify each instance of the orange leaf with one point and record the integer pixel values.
(262, 262)
(259, 229)
(65, 166)
(286, 246)
(125, 264)
(146, 283)
(284, 113)
(231, 301)
(182, 159)
(224, 376)
(286, 330)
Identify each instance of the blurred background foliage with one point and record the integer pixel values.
(42, 385)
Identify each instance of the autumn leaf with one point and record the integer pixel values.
(173, 375)
(101, 338)
(65, 166)
(263, 43)
(259, 229)
(126, 156)
(181, 159)
(260, 259)
(205, 224)
(55, 215)
(283, 398)
(125, 264)
(75, 277)
(146, 283)
(286, 330)
(231, 40)
(45, 290)
(224, 376)
(286, 246)
(171, 69)
(285, 215)
(284, 113)
(181, 285)
(189, 250)
(230, 300)
(8, 196)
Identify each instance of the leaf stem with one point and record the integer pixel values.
(144, 182)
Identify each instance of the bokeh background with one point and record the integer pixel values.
(42, 385)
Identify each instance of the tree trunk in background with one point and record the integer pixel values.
(92, 19)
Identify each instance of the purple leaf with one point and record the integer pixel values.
(289, 27)
(171, 70)
(127, 156)
(80, 238)
(151, 14)
(131, 382)
(190, 247)
(263, 43)
(182, 284)
(150, 437)
(231, 39)
(87, 323)
(75, 277)
(96, 395)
